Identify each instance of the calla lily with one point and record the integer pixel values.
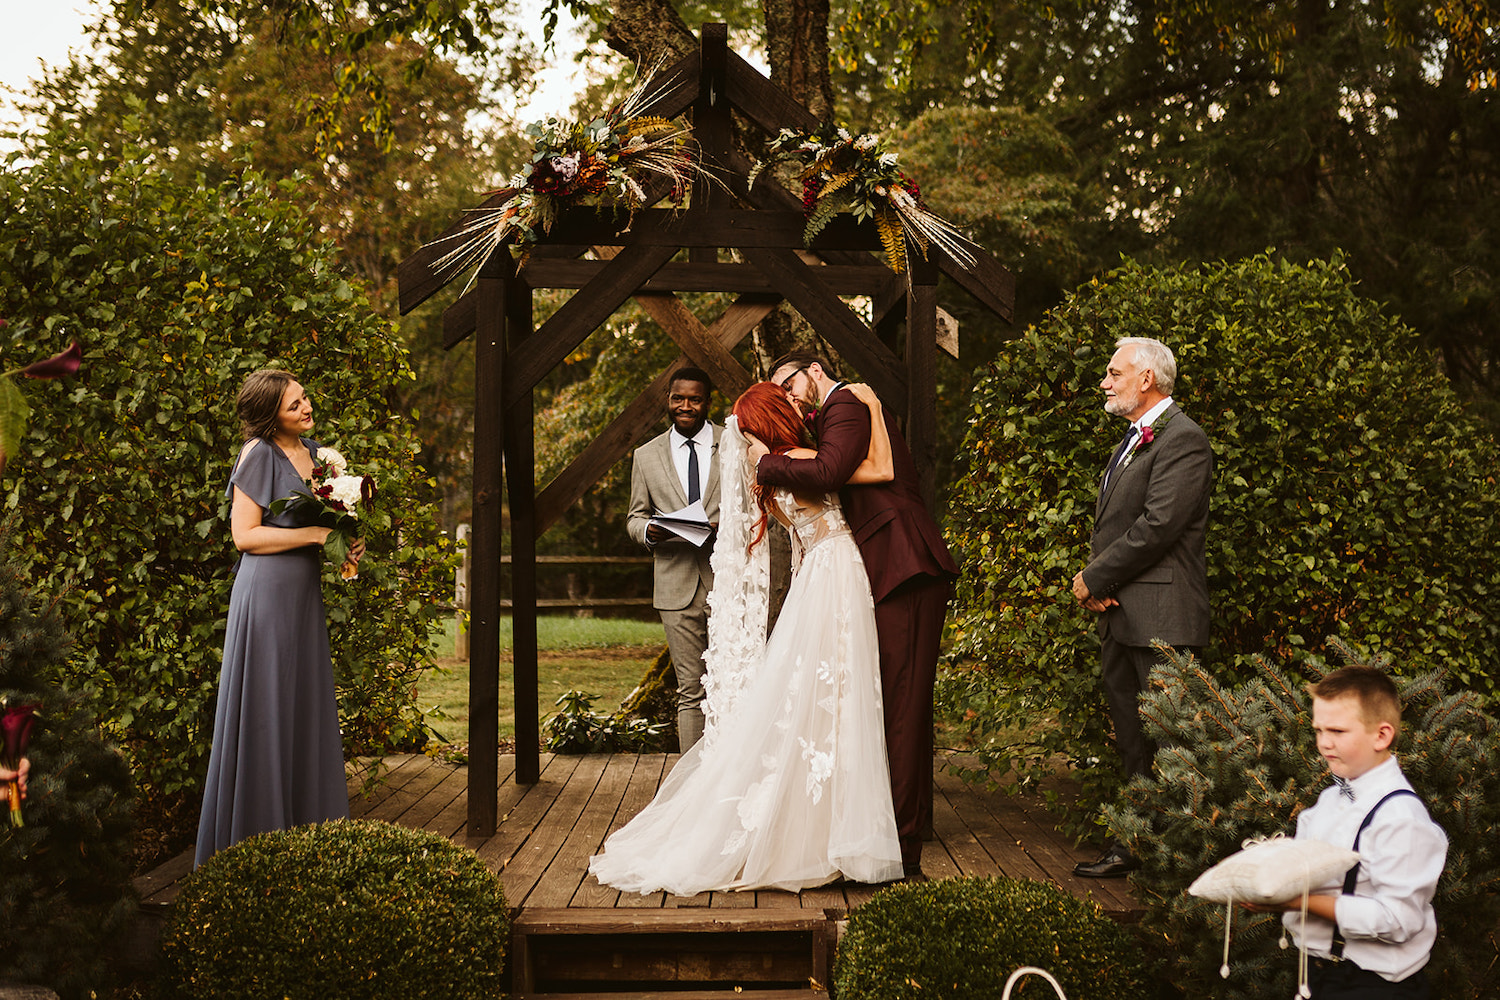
(57, 366)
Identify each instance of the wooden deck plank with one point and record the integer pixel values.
(528, 864)
(959, 841)
(649, 771)
(981, 845)
(444, 809)
(522, 807)
(412, 788)
(398, 768)
(1038, 836)
(564, 877)
(547, 831)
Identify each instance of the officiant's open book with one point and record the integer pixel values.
(690, 523)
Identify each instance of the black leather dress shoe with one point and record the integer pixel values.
(1114, 863)
(913, 873)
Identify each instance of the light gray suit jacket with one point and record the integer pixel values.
(656, 489)
(1150, 533)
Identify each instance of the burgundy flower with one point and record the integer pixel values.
(16, 723)
(58, 365)
(1147, 435)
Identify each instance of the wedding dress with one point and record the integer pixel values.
(789, 787)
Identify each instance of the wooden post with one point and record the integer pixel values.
(520, 467)
(921, 369)
(461, 596)
(484, 664)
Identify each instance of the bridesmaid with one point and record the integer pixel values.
(276, 761)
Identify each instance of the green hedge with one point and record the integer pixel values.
(960, 939)
(177, 291)
(345, 909)
(1353, 496)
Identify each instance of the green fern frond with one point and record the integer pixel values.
(890, 237)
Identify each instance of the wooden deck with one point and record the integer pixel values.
(548, 830)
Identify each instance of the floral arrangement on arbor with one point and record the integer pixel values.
(607, 161)
(843, 172)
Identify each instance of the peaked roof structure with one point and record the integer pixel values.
(609, 259)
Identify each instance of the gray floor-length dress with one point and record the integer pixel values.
(276, 760)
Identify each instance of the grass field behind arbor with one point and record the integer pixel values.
(599, 656)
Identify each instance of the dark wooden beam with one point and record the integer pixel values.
(835, 321)
(986, 279)
(761, 101)
(713, 128)
(733, 227)
(674, 89)
(484, 583)
(582, 315)
(872, 278)
(520, 476)
(417, 276)
(921, 373)
(631, 426)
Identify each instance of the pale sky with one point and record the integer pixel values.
(37, 31)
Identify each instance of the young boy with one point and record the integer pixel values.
(1370, 934)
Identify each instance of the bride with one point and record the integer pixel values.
(789, 787)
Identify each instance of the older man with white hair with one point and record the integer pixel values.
(1147, 575)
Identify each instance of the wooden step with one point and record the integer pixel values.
(671, 952)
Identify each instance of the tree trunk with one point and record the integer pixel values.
(649, 32)
(797, 51)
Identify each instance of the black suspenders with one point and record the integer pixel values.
(1352, 875)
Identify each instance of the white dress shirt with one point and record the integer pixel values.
(1148, 418)
(1388, 924)
(703, 441)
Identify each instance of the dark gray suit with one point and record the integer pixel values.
(1150, 532)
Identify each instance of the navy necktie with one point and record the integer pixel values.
(694, 493)
(1120, 453)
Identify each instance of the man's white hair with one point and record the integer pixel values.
(1156, 356)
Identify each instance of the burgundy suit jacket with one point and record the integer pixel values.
(897, 537)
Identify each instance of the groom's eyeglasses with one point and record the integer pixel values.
(786, 383)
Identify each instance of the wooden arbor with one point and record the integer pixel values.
(763, 227)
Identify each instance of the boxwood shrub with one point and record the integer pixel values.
(347, 909)
(960, 939)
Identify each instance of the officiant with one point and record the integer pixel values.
(674, 502)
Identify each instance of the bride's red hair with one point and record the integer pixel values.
(763, 410)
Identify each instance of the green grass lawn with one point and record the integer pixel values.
(599, 656)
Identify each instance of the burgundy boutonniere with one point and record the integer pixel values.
(1148, 434)
(807, 421)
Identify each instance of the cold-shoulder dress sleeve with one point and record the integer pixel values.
(255, 475)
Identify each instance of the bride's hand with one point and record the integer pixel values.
(863, 393)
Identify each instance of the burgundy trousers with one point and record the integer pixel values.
(909, 625)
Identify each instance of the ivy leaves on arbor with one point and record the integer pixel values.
(178, 291)
(1353, 496)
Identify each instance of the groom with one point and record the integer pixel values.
(911, 573)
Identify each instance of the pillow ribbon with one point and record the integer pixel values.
(1352, 875)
